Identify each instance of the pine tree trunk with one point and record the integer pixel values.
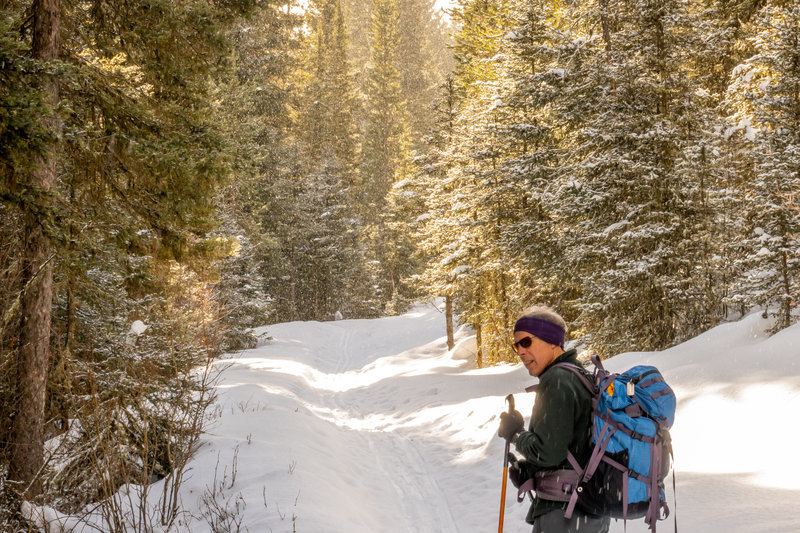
(27, 440)
(786, 300)
(448, 315)
(479, 344)
(604, 22)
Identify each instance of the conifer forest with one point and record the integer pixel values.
(196, 168)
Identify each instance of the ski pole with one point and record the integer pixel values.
(510, 400)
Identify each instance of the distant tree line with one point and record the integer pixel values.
(344, 124)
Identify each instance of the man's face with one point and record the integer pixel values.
(538, 355)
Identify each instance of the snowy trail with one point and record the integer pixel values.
(350, 379)
(398, 464)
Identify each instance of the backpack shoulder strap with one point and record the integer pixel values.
(598, 364)
(582, 375)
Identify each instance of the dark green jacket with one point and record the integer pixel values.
(560, 421)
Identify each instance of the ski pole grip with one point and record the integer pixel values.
(510, 400)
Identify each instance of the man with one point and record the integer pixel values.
(559, 426)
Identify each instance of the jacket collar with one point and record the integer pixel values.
(570, 356)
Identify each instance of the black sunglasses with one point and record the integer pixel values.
(525, 342)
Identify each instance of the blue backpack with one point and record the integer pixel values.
(632, 413)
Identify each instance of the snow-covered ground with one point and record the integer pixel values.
(373, 426)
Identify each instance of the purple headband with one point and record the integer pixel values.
(547, 331)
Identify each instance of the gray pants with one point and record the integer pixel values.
(554, 522)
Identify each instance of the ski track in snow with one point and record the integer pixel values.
(349, 384)
(396, 457)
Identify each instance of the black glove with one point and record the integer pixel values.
(515, 470)
(510, 424)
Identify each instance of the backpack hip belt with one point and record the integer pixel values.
(554, 485)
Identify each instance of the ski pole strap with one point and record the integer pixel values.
(526, 488)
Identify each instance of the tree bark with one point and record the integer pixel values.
(479, 344)
(604, 22)
(27, 435)
(448, 314)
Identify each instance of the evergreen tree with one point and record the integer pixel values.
(313, 215)
(422, 60)
(37, 183)
(467, 206)
(605, 144)
(386, 138)
(258, 97)
(629, 206)
(433, 167)
(358, 21)
(327, 106)
(386, 152)
(131, 149)
(764, 119)
(540, 46)
(423, 57)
